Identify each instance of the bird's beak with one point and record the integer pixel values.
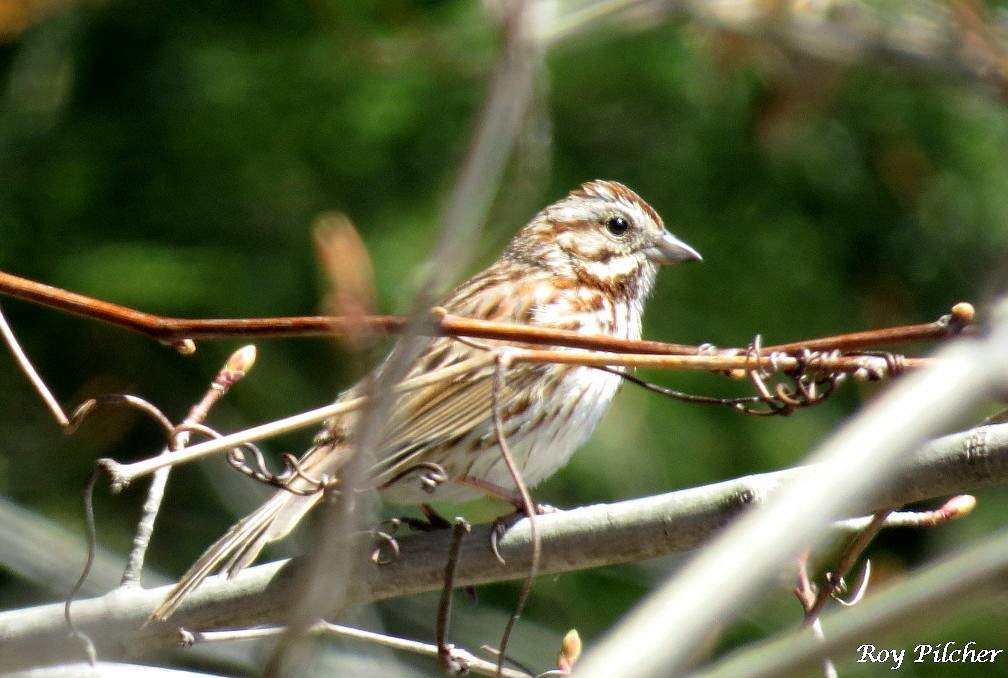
(671, 250)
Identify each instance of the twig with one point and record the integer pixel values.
(235, 368)
(853, 550)
(474, 663)
(805, 592)
(447, 659)
(862, 366)
(75, 420)
(122, 475)
(956, 507)
(528, 506)
(232, 372)
(29, 371)
(92, 543)
(172, 330)
(953, 323)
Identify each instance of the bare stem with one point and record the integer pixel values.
(528, 506)
(31, 373)
(231, 373)
(173, 330)
(474, 663)
(850, 554)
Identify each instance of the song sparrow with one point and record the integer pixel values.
(585, 263)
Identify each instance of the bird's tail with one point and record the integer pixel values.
(240, 545)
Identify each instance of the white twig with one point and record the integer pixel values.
(237, 365)
(33, 376)
(474, 663)
(124, 474)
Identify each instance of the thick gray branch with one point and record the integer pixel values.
(586, 537)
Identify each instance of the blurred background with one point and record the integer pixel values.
(172, 157)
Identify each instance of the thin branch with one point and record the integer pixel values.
(173, 330)
(124, 474)
(234, 369)
(31, 373)
(503, 362)
(862, 366)
(82, 638)
(448, 660)
(957, 321)
(576, 539)
(472, 662)
(956, 507)
(170, 330)
(855, 547)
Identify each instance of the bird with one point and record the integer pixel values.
(585, 263)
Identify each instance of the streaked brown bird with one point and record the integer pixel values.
(586, 263)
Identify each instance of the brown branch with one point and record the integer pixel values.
(949, 325)
(866, 366)
(447, 659)
(170, 330)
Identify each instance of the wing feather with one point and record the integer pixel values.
(442, 412)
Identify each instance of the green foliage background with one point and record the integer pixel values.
(172, 157)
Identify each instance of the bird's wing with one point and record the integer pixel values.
(444, 414)
(445, 411)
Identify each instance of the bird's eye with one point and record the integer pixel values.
(617, 226)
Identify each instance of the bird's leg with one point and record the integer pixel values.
(435, 521)
(431, 521)
(503, 523)
(509, 496)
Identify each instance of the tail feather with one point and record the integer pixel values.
(240, 545)
(286, 517)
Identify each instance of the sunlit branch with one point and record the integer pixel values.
(580, 538)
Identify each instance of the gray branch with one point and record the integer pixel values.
(577, 539)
